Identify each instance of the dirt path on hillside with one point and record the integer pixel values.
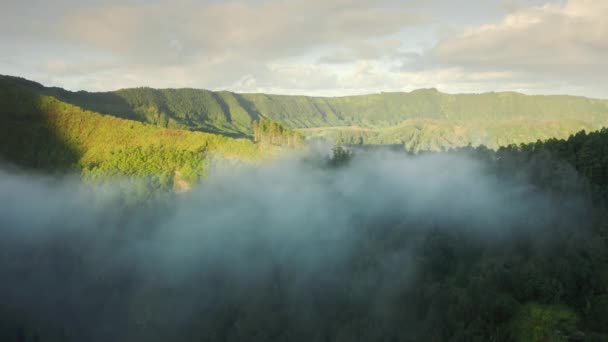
(180, 185)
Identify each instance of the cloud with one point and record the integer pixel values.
(363, 50)
(255, 30)
(310, 47)
(207, 44)
(561, 40)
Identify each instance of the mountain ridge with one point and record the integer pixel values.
(433, 89)
(411, 118)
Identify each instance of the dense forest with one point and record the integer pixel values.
(424, 119)
(372, 245)
(40, 132)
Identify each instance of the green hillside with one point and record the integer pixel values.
(421, 119)
(434, 134)
(43, 133)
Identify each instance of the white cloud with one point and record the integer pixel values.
(569, 38)
(229, 44)
(259, 31)
(313, 47)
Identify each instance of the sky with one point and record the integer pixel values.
(310, 47)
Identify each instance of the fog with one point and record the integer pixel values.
(285, 236)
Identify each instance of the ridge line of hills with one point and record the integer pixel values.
(424, 119)
(159, 134)
(25, 81)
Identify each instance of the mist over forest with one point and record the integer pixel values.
(304, 171)
(376, 245)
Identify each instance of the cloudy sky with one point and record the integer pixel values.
(313, 47)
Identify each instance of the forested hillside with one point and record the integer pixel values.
(420, 120)
(42, 133)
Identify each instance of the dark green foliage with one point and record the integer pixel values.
(26, 137)
(586, 152)
(544, 323)
(547, 285)
(339, 156)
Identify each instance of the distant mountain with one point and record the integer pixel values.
(421, 119)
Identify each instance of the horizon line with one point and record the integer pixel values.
(434, 89)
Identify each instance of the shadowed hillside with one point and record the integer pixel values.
(27, 136)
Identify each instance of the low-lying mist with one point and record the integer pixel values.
(286, 251)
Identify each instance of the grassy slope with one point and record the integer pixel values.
(420, 119)
(42, 132)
